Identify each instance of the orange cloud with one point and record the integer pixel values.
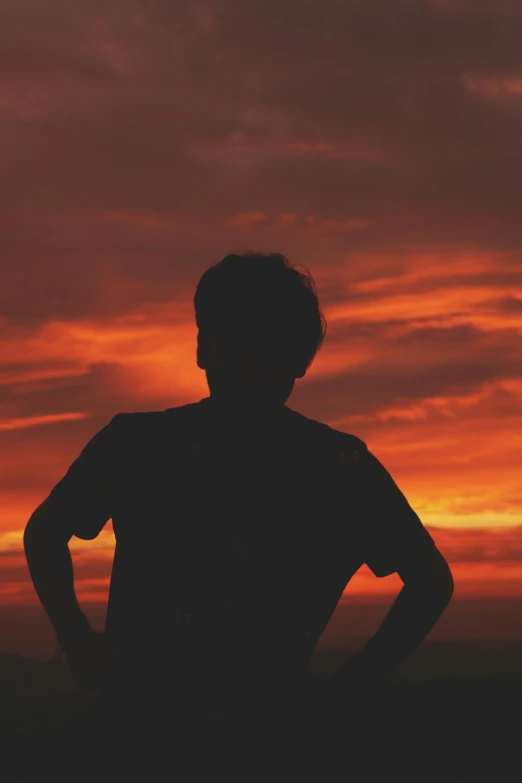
(34, 421)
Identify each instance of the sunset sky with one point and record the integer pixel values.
(375, 142)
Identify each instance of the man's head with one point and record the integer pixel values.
(259, 327)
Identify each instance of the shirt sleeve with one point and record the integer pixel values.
(82, 498)
(392, 533)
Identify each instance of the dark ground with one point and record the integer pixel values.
(450, 713)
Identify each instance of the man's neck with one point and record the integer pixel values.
(241, 409)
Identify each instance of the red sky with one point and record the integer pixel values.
(376, 143)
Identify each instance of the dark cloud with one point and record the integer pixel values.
(96, 390)
(369, 74)
(505, 304)
(180, 108)
(194, 112)
(455, 361)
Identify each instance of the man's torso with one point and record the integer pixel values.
(234, 545)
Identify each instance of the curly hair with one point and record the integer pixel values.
(259, 301)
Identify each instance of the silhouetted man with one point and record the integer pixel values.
(238, 524)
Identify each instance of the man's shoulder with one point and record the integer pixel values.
(346, 446)
(158, 416)
(136, 424)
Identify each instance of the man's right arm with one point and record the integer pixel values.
(90, 653)
(46, 538)
(392, 539)
(79, 505)
(427, 591)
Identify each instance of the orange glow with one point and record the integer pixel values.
(454, 452)
(129, 173)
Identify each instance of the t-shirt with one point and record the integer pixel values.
(234, 542)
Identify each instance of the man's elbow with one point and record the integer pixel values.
(45, 525)
(430, 574)
(442, 576)
(437, 589)
(446, 584)
(34, 533)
